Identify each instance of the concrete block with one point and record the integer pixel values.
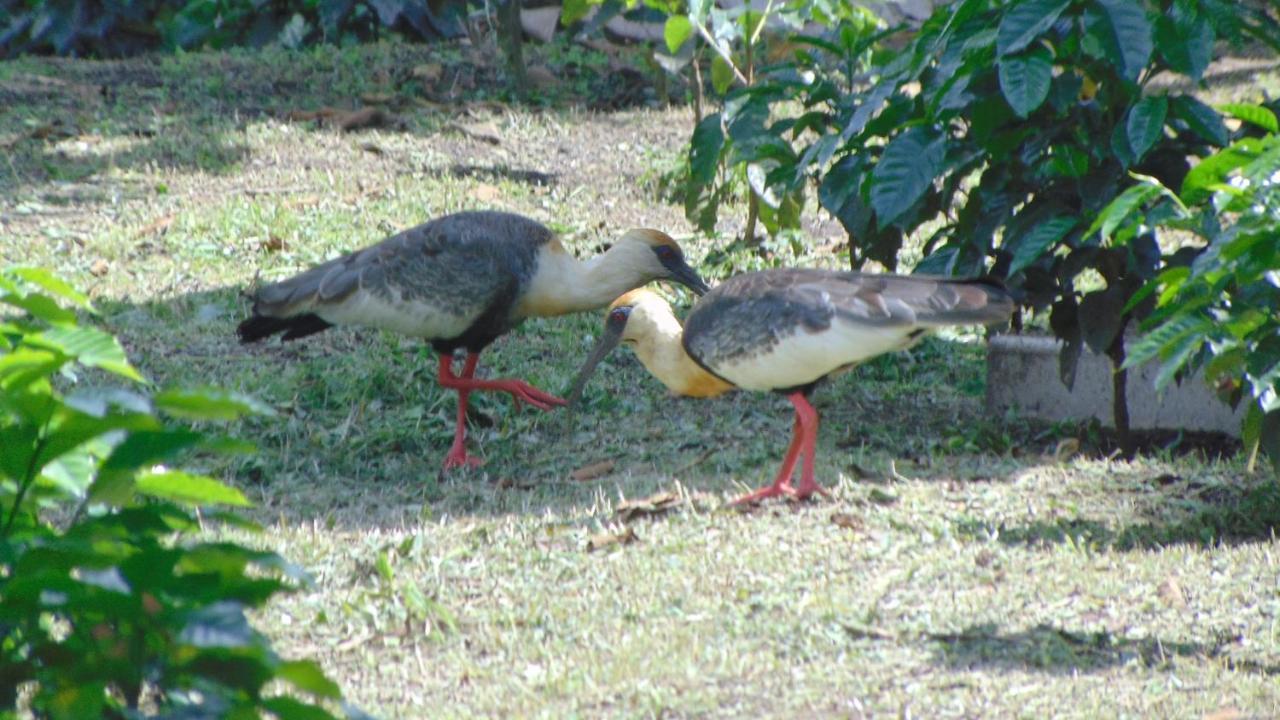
(1022, 373)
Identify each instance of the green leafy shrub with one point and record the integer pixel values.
(116, 29)
(1218, 301)
(107, 609)
(1004, 127)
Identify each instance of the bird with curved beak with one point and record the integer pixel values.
(462, 281)
(785, 331)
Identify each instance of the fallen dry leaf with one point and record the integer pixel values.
(156, 227)
(881, 497)
(485, 192)
(1171, 593)
(309, 115)
(374, 148)
(656, 504)
(542, 78)
(346, 120)
(1225, 713)
(1066, 448)
(273, 243)
(377, 98)
(484, 132)
(99, 267)
(847, 520)
(362, 118)
(594, 470)
(428, 72)
(606, 539)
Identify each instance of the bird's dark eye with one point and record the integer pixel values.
(618, 316)
(666, 252)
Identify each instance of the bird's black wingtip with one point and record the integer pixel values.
(259, 327)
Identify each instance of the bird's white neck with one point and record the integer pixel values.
(563, 284)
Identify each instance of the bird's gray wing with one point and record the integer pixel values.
(750, 314)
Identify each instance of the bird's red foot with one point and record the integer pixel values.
(764, 493)
(458, 458)
(522, 391)
(806, 491)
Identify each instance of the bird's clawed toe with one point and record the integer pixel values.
(460, 459)
(804, 492)
(524, 392)
(764, 493)
(799, 494)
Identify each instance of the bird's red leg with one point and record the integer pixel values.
(807, 418)
(519, 389)
(457, 456)
(782, 483)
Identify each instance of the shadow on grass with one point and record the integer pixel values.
(524, 177)
(184, 111)
(1051, 649)
(1227, 516)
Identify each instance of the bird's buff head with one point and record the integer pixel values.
(632, 318)
(656, 255)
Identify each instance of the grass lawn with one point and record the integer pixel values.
(968, 565)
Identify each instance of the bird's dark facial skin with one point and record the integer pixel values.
(673, 260)
(614, 325)
(618, 318)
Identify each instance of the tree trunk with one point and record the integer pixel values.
(753, 213)
(697, 87)
(511, 36)
(1119, 392)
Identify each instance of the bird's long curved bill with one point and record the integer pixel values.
(605, 345)
(682, 273)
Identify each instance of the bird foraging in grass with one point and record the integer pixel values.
(461, 281)
(785, 331)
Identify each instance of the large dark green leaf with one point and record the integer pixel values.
(220, 625)
(1025, 79)
(704, 150)
(1120, 31)
(906, 169)
(1186, 44)
(1024, 21)
(1101, 317)
(1202, 119)
(1145, 124)
(1044, 235)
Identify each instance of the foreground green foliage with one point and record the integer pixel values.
(108, 608)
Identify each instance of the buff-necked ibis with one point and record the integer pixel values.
(785, 331)
(461, 281)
